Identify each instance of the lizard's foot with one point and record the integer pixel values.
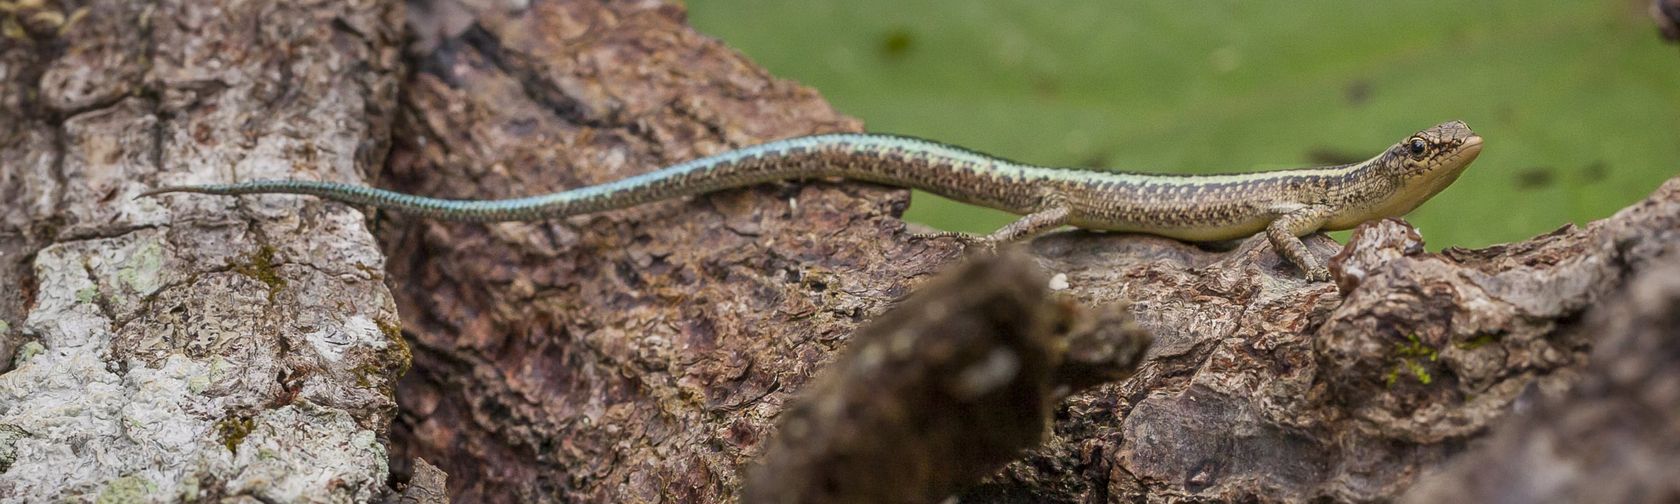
(972, 243)
(1319, 274)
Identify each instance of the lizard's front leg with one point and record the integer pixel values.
(1285, 233)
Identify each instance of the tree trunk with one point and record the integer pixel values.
(199, 347)
(192, 348)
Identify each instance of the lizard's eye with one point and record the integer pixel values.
(1417, 147)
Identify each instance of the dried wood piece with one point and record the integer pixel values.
(1666, 13)
(427, 485)
(942, 390)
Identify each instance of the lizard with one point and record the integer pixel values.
(1283, 204)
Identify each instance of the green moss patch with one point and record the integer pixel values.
(232, 431)
(261, 268)
(1411, 355)
(1480, 340)
(388, 365)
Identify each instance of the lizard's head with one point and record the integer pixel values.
(1438, 154)
(1427, 162)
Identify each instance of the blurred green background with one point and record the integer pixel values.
(1579, 100)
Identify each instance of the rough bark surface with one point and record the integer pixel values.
(1261, 387)
(633, 355)
(641, 355)
(1614, 438)
(943, 389)
(192, 348)
(426, 485)
(197, 347)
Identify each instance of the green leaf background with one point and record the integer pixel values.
(1579, 100)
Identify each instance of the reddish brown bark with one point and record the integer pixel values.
(631, 354)
(943, 389)
(642, 354)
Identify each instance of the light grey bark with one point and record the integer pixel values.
(192, 348)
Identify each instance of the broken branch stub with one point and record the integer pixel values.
(944, 389)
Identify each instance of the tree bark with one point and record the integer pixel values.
(642, 355)
(944, 388)
(1666, 13)
(197, 347)
(1615, 437)
(192, 348)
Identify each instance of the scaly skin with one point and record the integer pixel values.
(1285, 204)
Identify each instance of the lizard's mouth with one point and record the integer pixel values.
(1448, 170)
(1467, 151)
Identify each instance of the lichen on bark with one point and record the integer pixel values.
(192, 348)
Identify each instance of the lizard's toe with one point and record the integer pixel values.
(1319, 274)
(972, 243)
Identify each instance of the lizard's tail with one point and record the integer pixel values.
(876, 158)
(550, 205)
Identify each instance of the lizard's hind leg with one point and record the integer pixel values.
(1032, 224)
(1053, 212)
